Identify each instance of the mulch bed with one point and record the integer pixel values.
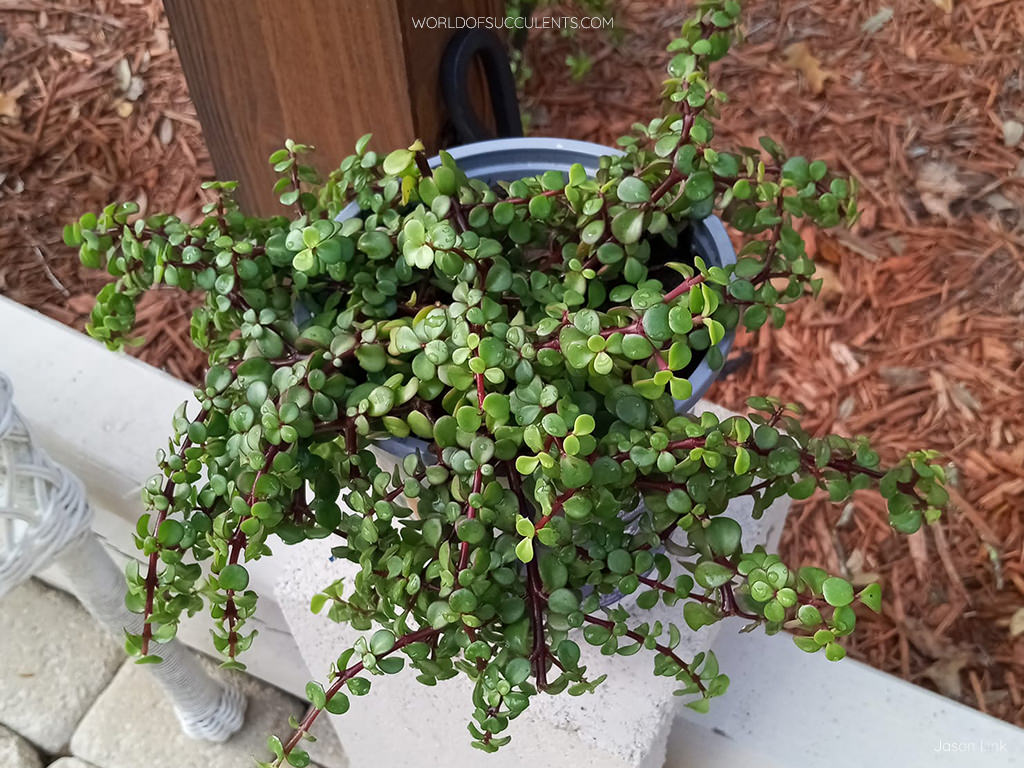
(918, 339)
(93, 108)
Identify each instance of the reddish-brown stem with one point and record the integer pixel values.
(635, 327)
(297, 184)
(238, 542)
(480, 391)
(478, 478)
(773, 242)
(460, 219)
(278, 363)
(682, 288)
(536, 599)
(422, 164)
(154, 558)
(690, 442)
(758, 487)
(556, 507)
(654, 583)
(522, 200)
(732, 607)
(675, 176)
(664, 650)
(342, 678)
(670, 181)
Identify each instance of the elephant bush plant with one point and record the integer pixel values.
(527, 335)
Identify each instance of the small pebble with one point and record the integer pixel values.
(1013, 132)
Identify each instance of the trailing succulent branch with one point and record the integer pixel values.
(534, 336)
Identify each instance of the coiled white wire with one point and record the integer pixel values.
(45, 519)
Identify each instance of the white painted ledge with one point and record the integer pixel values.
(788, 709)
(105, 415)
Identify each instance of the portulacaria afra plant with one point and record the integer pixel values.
(525, 333)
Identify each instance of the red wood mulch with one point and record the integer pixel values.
(917, 340)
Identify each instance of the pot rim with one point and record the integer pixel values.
(513, 158)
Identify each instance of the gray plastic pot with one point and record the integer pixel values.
(511, 159)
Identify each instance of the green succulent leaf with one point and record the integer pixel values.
(469, 390)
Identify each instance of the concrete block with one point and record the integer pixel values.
(624, 724)
(624, 721)
(132, 724)
(55, 661)
(16, 752)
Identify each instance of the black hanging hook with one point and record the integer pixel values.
(456, 62)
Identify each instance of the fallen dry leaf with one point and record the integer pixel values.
(70, 43)
(161, 42)
(867, 218)
(832, 286)
(9, 107)
(846, 409)
(945, 673)
(800, 58)
(939, 185)
(876, 22)
(829, 250)
(843, 355)
(1000, 202)
(963, 396)
(956, 53)
(902, 377)
(949, 323)
(918, 546)
(1017, 623)
(1013, 132)
(858, 575)
(859, 245)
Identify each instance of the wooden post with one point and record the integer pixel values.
(322, 72)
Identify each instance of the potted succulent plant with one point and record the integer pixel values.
(537, 336)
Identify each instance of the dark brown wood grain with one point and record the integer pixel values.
(322, 72)
(423, 49)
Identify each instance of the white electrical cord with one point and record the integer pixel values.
(45, 518)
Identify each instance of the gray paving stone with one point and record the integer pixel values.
(55, 661)
(132, 724)
(70, 762)
(15, 752)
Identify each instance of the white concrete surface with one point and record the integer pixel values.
(789, 709)
(16, 752)
(132, 724)
(624, 724)
(402, 724)
(70, 762)
(54, 661)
